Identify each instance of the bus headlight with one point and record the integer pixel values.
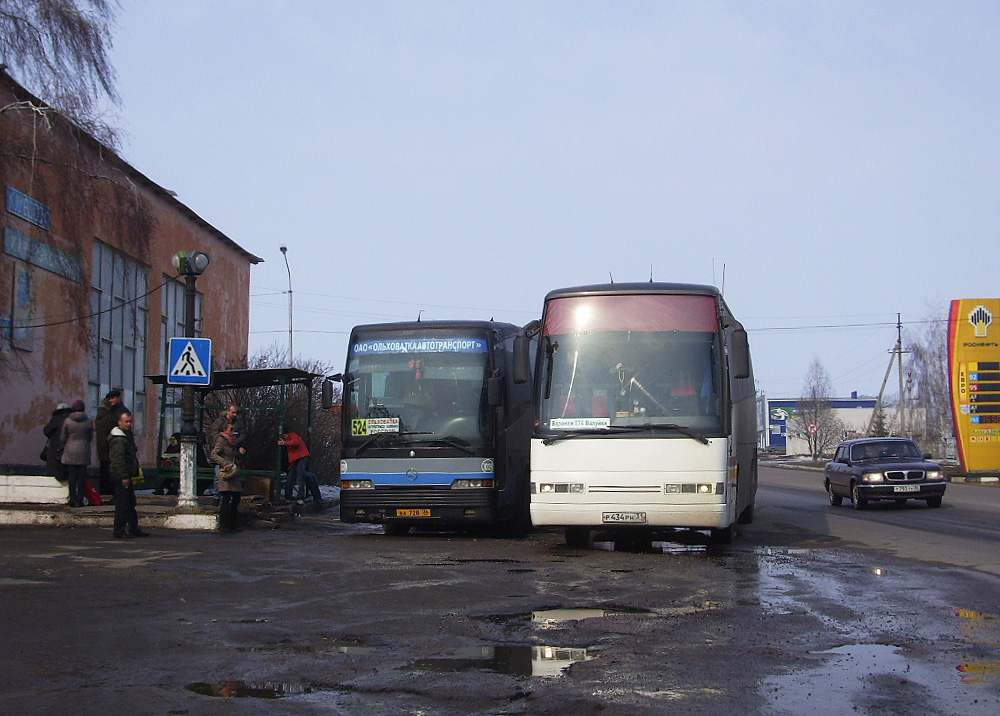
(576, 488)
(476, 482)
(357, 485)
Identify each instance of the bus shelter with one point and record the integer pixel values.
(263, 396)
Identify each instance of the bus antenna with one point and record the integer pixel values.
(611, 277)
(651, 273)
(418, 314)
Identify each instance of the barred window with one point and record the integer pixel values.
(118, 334)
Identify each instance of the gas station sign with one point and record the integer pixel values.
(974, 368)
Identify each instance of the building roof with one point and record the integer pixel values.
(111, 155)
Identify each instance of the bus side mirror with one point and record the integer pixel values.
(522, 345)
(740, 354)
(494, 390)
(326, 392)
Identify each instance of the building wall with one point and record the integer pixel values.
(68, 194)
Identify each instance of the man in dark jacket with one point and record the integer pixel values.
(107, 418)
(54, 445)
(124, 466)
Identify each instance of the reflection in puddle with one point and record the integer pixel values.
(979, 628)
(859, 677)
(543, 661)
(248, 689)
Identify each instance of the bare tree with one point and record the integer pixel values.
(930, 388)
(814, 419)
(262, 422)
(59, 50)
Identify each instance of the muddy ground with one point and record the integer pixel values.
(321, 617)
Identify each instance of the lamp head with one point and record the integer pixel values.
(283, 249)
(190, 263)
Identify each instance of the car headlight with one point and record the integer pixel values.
(873, 477)
(933, 475)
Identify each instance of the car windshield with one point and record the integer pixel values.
(885, 450)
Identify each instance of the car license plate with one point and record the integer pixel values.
(906, 488)
(634, 518)
(413, 513)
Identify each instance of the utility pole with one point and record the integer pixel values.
(284, 252)
(895, 356)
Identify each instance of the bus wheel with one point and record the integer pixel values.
(578, 537)
(746, 516)
(723, 535)
(395, 529)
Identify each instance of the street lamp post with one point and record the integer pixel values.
(284, 253)
(190, 264)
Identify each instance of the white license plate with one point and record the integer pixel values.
(626, 518)
(906, 488)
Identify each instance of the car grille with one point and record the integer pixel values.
(904, 475)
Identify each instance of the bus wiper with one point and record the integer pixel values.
(449, 440)
(377, 436)
(653, 427)
(617, 429)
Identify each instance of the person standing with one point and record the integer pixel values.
(124, 466)
(230, 487)
(54, 444)
(107, 419)
(229, 415)
(75, 435)
(298, 470)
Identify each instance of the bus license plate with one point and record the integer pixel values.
(627, 518)
(413, 513)
(906, 488)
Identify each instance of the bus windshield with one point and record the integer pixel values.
(427, 389)
(631, 361)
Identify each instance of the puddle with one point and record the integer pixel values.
(248, 689)
(540, 661)
(551, 618)
(979, 628)
(14, 581)
(865, 677)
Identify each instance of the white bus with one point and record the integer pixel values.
(644, 411)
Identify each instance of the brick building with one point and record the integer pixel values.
(88, 293)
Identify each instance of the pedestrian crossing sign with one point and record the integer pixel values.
(190, 361)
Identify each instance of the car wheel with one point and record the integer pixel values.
(578, 537)
(934, 501)
(857, 501)
(835, 499)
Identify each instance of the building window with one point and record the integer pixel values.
(118, 334)
(173, 326)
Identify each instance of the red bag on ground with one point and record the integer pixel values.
(90, 493)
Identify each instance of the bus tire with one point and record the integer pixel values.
(395, 529)
(721, 535)
(578, 537)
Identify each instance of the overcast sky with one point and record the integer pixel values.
(836, 163)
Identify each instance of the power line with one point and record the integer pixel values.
(18, 326)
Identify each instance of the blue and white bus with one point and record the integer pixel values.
(435, 431)
(644, 410)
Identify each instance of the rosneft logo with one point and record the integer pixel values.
(980, 318)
